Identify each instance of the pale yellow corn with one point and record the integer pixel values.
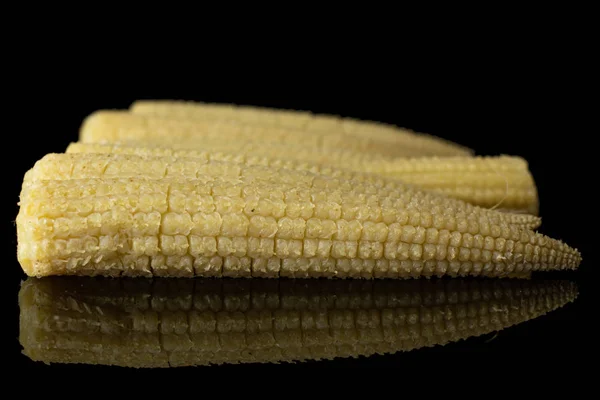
(171, 323)
(483, 181)
(304, 121)
(94, 165)
(298, 153)
(501, 181)
(161, 216)
(122, 126)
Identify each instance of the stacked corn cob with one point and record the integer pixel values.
(484, 181)
(180, 189)
(164, 323)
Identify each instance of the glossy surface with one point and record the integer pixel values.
(183, 322)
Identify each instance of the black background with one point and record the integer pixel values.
(520, 102)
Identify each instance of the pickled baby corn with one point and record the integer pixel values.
(113, 126)
(159, 216)
(304, 121)
(183, 322)
(482, 181)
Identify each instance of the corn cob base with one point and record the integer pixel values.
(168, 323)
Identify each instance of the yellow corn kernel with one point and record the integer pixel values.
(305, 121)
(184, 322)
(111, 210)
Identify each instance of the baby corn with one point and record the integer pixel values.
(161, 216)
(304, 121)
(185, 322)
(122, 126)
(482, 181)
(94, 165)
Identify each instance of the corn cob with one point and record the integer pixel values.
(94, 165)
(158, 216)
(305, 121)
(482, 181)
(145, 323)
(119, 126)
(333, 157)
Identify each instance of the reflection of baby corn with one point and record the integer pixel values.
(177, 322)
